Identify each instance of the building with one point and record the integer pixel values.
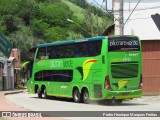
(17, 64)
(6, 70)
(135, 16)
(9, 70)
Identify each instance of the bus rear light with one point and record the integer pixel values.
(107, 83)
(140, 83)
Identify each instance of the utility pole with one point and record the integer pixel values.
(106, 5)
(118, 12)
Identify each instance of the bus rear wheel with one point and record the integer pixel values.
(39, 92)
(76, 96)
(45, 94)
(86, 96)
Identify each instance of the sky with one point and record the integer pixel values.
(109, 3)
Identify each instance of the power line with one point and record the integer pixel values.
(105, 10)
(132, 12)
(140, 18)
(154, 7)
(102, 3)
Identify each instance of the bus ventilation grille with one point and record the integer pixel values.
(97, 91)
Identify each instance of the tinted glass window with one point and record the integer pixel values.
(38, 76)
(74, 50)
(59, 51)
(50, 52)
(88, 49)
(41, 53)
(97, 45)
(123, 44)
(54, 75)
(69, 52)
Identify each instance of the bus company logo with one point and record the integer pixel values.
(87, 66)
(121, 84)
(123, 43)
(59, 63)
(56, 63)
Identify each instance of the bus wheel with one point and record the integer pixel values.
(45, 94)
(76, 96)
(86, 96)
(118, 102)
(39, 92)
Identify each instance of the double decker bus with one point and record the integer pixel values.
(99, 68)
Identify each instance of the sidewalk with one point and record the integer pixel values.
(7, 106)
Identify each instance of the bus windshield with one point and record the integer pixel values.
(120, 44)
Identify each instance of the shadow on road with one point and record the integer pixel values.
(102, 103)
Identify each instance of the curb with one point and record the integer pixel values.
(13, 92)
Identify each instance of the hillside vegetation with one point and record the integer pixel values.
(29, 22)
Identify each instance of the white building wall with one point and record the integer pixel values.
(140, 23)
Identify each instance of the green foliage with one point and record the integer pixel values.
(55, 34)
(39, 27)
(72, 35)
(29, 22)
(22, 39)
(54, 14)
(83, 4)
(2, 25)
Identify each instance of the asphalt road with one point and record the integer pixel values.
(32, 102)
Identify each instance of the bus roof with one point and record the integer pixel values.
(71, 41)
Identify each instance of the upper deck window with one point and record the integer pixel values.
(73, 50)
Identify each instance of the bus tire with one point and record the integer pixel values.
(118, 101)
(45, 94)
(39, 92)
(76, 96)
(86, 96)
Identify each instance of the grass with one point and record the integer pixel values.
(79, 12)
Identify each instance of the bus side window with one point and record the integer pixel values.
(77, 50)
(84, 50)
(50, 52)
(90, 49)
(69, 53)
(97, 46)
(38, 76)
(47, 75)
(59, 51)
(41, 53)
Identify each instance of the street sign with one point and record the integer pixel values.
(5, 45)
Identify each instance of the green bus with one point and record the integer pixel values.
(100, 68)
